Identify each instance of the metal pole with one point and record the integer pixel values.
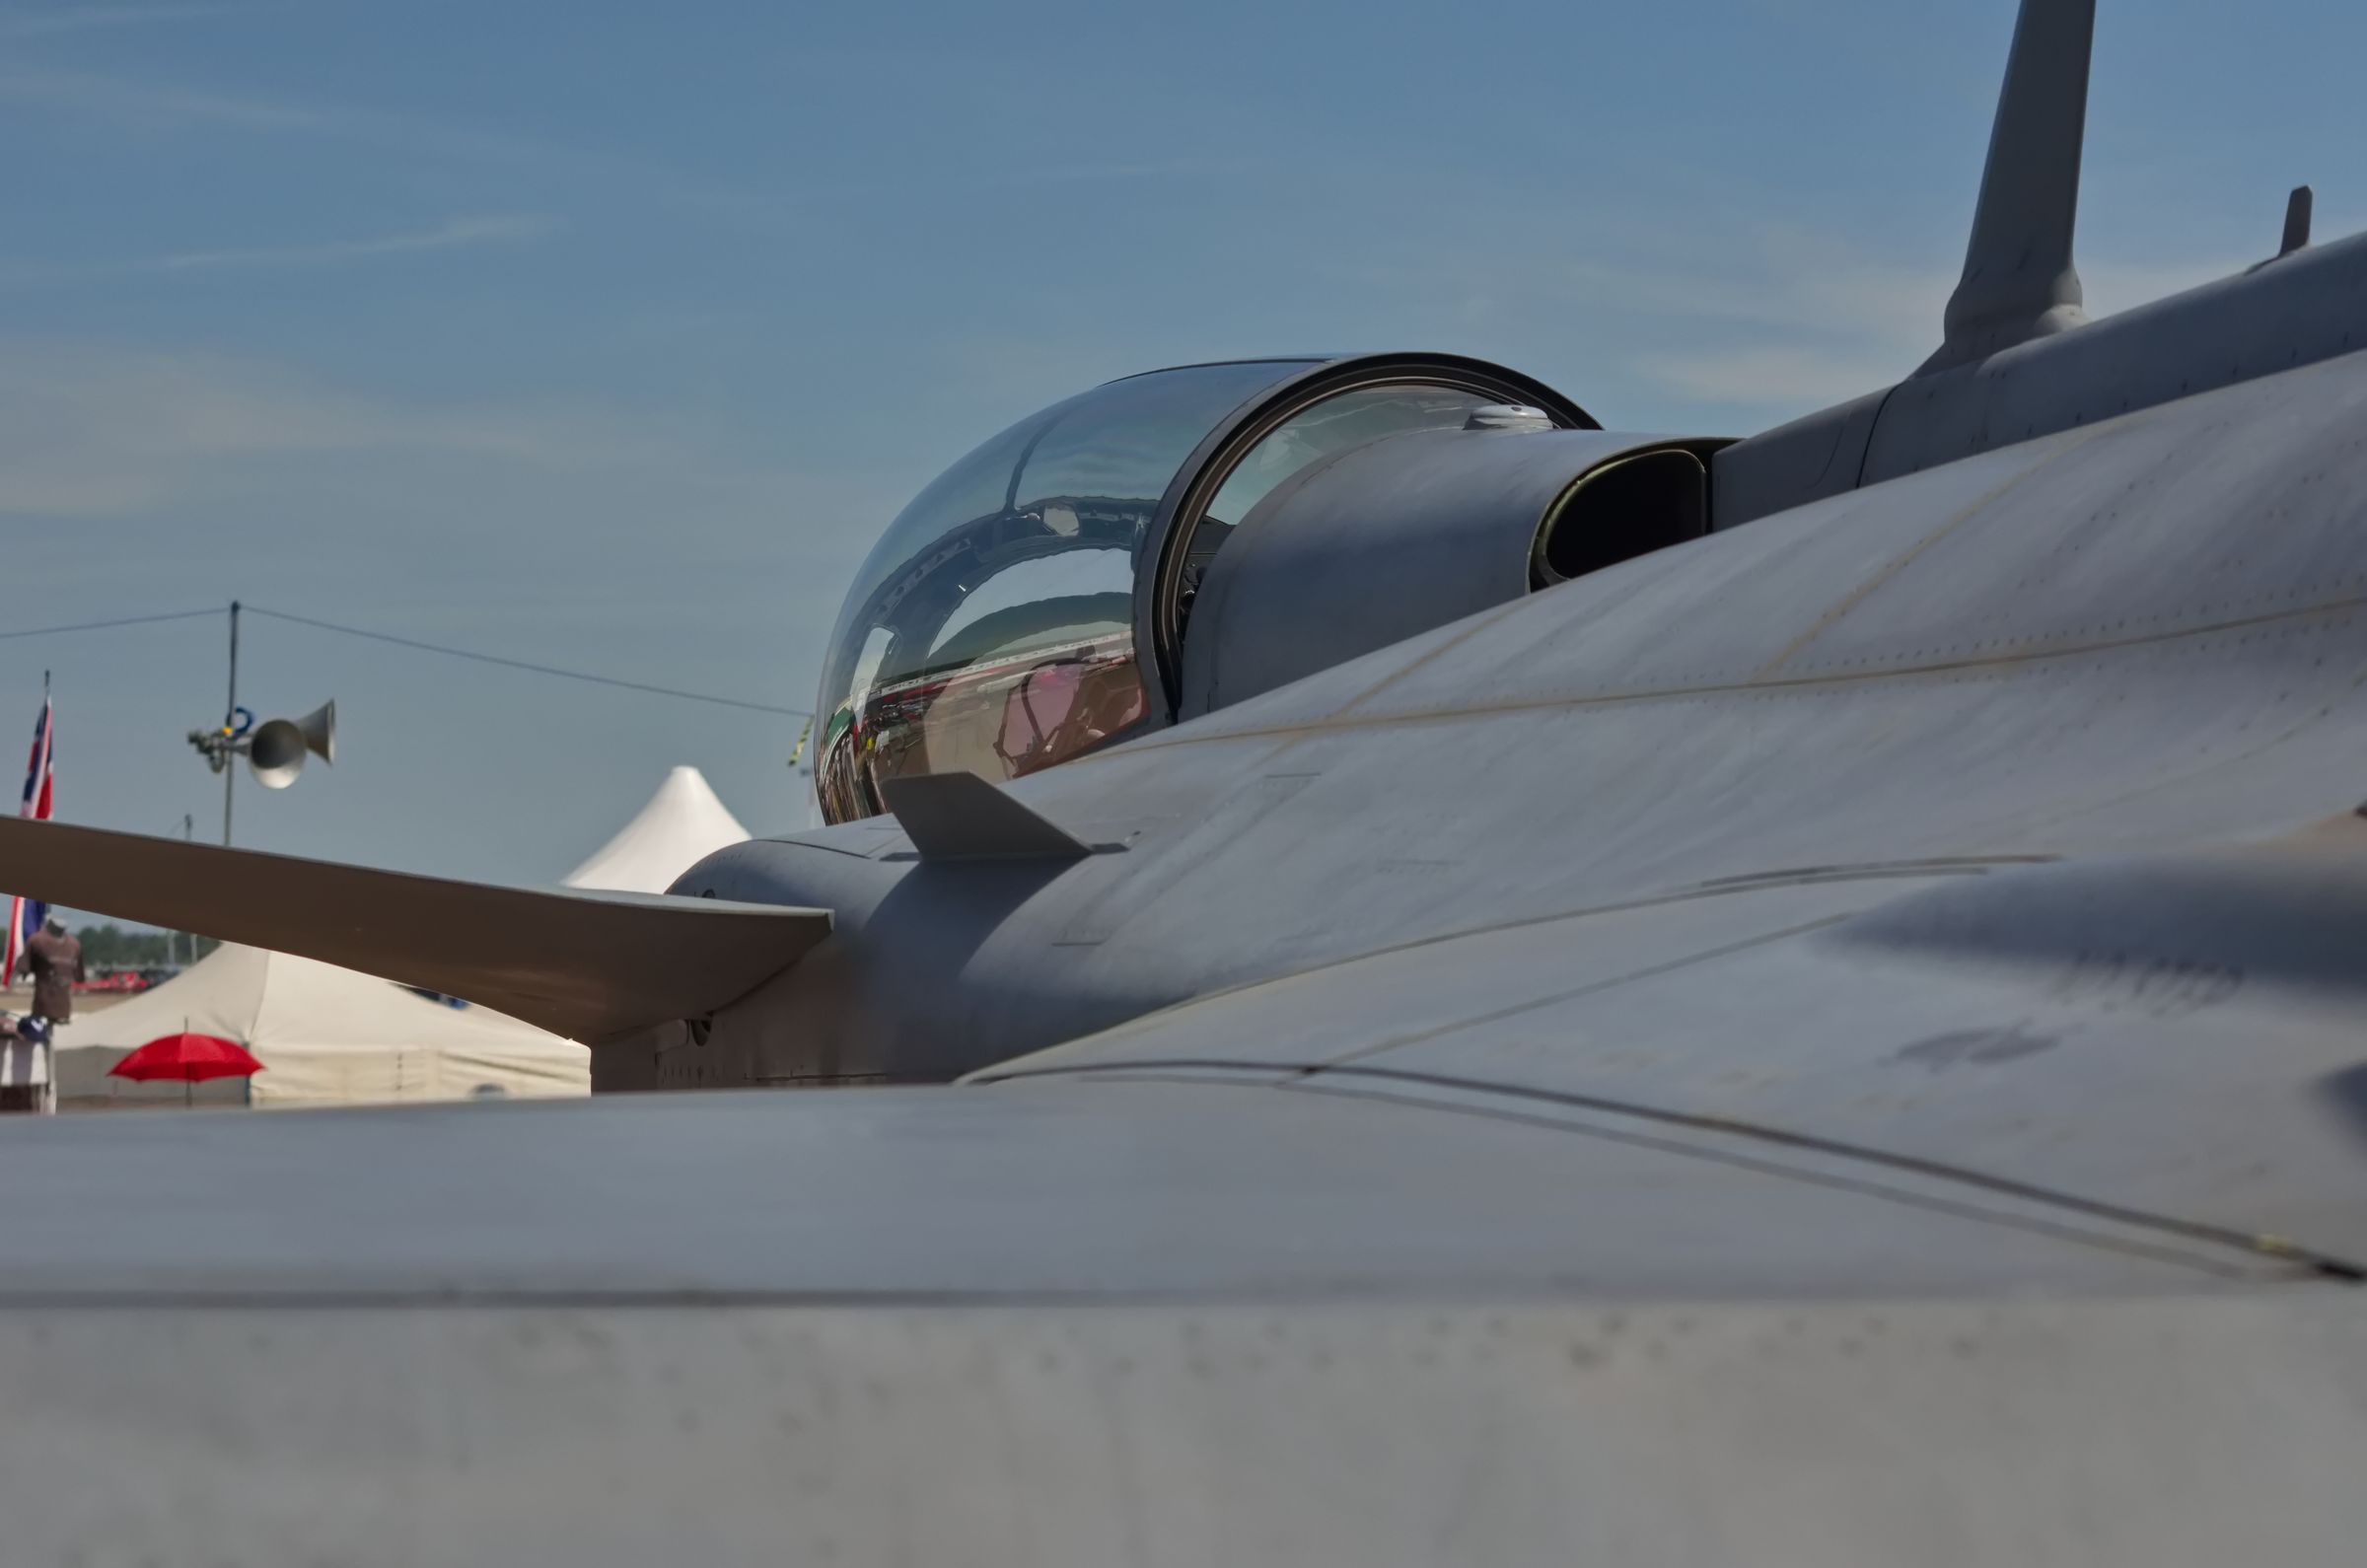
(45, 1097)
(172, 940)
(230, 720)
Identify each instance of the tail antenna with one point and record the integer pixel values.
(2019, 280)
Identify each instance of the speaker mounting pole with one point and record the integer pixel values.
(230, 719)
(275, 749)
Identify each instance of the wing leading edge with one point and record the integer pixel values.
(593, 967)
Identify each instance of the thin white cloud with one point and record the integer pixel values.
(50, 21)
(2115, 286)
(135, 102)
(1788, 280)
(1072, 173)
(1829, 320)
(1771, 376)
(1824, 283)
(96, 432)
(455, 234)
(115, 98)
(452, 234)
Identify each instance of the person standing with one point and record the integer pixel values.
(53, 979)
(54, 959)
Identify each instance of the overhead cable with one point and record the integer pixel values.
(108, 625)
(522, 664)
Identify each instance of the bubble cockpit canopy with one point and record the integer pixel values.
(1028, 605)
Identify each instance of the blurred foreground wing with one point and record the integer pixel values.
(1032, 1325)
(593, 967)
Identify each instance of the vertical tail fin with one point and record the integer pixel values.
(2297, 220)
(2019, 280)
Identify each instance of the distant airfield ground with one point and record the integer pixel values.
(18, 998)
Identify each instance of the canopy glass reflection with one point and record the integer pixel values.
(992, 629)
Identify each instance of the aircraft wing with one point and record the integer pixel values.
(2171, 1042)
(1531, 1279)
(593, 967)
(1950, 1211)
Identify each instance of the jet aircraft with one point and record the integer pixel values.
(1519, 994)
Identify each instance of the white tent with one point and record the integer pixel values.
(326, 1036)
(682, 824)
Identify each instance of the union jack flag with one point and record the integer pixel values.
(24, 915)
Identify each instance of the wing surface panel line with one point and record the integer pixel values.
(1340, 721)
(1313, 1075)
(1864, 1187)
(1624, 977)
(1890, 570)
(1720, 888)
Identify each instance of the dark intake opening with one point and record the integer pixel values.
(1622, 510)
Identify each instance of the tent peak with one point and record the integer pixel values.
(681, 824)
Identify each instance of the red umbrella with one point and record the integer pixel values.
(190, 1058)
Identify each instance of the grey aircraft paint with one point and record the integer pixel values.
(1835, 1040)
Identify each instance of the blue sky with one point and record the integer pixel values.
(608, 334)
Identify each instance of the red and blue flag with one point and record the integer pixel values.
(24, 915)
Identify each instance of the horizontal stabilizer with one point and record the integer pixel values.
(963, 817)
(593, 967)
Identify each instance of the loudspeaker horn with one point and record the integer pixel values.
(275, 752)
